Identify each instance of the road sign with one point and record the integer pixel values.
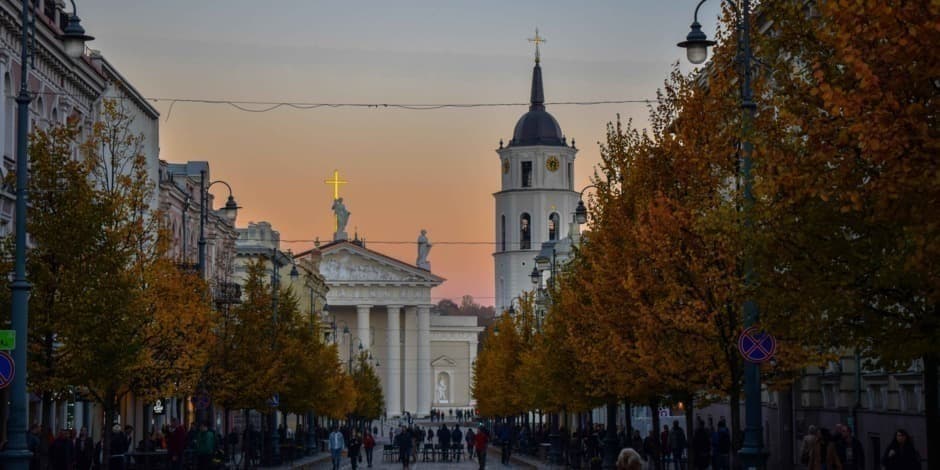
(7, 369)
(7, 339)
(756, 346)
(201, 400)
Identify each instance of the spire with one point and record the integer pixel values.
(537, 100)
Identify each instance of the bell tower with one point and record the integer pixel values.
(536, 198)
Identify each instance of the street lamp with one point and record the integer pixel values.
(752, 453)
(581, 212)
(17, 454)
(229, 211)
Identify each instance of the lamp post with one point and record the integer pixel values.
(273, 451)
(752, 453)
(17, 455)
(230, 211)
(546, 261)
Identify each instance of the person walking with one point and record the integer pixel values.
(368, 443)
(721, 446)
(665, 451)
(443, 439)
(84, 450)
(205, 447)
(456, 441)
(677, 443)
(480, 441)
(900, 453)
(404, 442)
(824, 455)
(701, 446)
(354, 449)
(469, 438)
(337, 443)
(809, 442)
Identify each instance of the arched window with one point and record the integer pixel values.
(525, 232)
(502, 233)
(553, 221)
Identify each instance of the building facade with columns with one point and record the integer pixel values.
(383, 305)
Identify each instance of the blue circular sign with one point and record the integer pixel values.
(7, 369)
(756, 346)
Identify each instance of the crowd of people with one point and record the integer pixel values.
(838, 449)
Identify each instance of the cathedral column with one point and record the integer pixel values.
(393, 362)
(362, 327)
(424, 360)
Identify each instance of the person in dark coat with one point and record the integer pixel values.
(701, 446)
(61, 451)
(354, 448)
(901, 454)
(84, 450)
(404, 442)
(443, 438)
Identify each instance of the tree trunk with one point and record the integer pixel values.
(109, 419)
(654, 412)
(932, 408)
(628, 422)
(689, 428)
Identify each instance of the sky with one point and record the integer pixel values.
(407, 170)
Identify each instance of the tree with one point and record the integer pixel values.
(852, 204)
(495, 384)
(369, 402)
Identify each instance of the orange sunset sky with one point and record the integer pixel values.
(407, 170)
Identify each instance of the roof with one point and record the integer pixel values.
(537, 127)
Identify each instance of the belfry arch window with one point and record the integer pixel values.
(553, 221)
(502, 233)
(525, 232)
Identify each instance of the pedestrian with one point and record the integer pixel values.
(404, 442)
(701, 446)
(665, 451)
(480, 440)
(469, 438)
(205, 447)
(119, 447)
(456, 440)
(901, 454)
(824, 455)
(637, 442)
(677, 443)
(505, 441)
(850, 450)
(651, 448)
(721, 446)
(368, 443)
(629, 459)
(354, 450)
(60, 452)
(809, 441)
(337, 443)
(443, 439)
(84, 450)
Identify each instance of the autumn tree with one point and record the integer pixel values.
(369, 400)
(851, 207)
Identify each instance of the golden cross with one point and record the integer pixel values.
(335, 182)
(537, 40)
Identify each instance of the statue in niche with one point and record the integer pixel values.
(424, 247)
(342, 218)
(442, 391)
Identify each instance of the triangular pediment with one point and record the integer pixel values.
(344, 263)
(443, 361)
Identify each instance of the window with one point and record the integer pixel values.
(526, 174)
(910, 397)
(525, 232)
(502, 233)
(876, 397)
(553, 221)
(570, 177)
(830, 393)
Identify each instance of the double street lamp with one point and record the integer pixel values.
(16, 456)
(752, 453)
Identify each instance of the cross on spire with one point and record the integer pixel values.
(537, 40)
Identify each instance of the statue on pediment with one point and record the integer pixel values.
(424, 247)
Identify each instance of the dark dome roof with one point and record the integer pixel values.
(537, 127)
